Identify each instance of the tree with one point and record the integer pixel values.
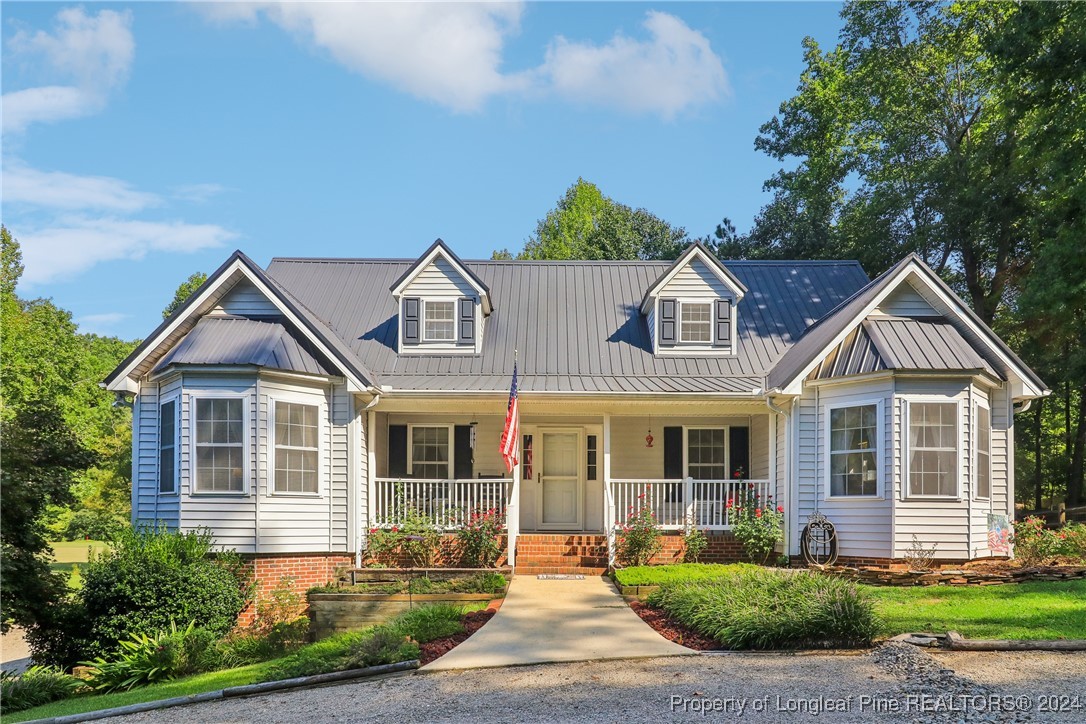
(586, 224)
(184, 291)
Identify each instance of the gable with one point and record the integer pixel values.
(696, 281)
(439, 279)
(906, 301)
(244, 300)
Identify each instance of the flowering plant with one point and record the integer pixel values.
(757, 524)
(639, 539)
(695, 541)
(479, 539)
(1035, 544)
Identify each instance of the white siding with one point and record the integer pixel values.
(863, 525)
(695, 281)
(245, 300)
(905, 301)
(439, 279)
(148, 506)
(942, 523)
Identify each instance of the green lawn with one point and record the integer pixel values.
(659, 575)
(1037, 610)
(70, 555)
(211, 681)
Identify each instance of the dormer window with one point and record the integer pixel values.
(695, 323)
(439, 324)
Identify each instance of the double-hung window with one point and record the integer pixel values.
(220, 445)
(439, 321)
(854, 451)
(706, 454)
(430, 448)
(167, 447)
(695, 323)
(933, 449)
(297, 452)
(984, 452)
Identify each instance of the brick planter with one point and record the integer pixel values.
(332, 613)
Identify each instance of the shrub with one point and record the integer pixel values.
(413, 534)
(283, 605)
(1035, 544)
(479, 539)
(253, 646)
(694, 543)
(426, 623)
(36, 686)
(754, 608)
(639, 540)
(383, 545)
(757, 524)
(151, 578)
(384, 646)
(147, 659)
(91, 524)
(62, 635)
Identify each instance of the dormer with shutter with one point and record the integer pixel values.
(691, 308)
(442, 304)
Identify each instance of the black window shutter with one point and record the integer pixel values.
(411, 309)
(464, 467)
(739, 445)
(397, 451)
(668, 325)
(466, 327)
(673, 453)
(723, 334)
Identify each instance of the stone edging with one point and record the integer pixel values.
(951, 577)
(235, 691)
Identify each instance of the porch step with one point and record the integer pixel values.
(583, 553)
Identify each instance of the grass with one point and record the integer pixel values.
(1036, 610)
(69, 555)
(423, 623)
(678, 573)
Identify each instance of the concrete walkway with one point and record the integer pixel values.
(548, 621)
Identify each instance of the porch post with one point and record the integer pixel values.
(512, 517)
(608, 496)
(371, 474)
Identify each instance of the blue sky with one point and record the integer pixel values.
(145, 141)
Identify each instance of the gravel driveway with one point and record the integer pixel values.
(894, 683)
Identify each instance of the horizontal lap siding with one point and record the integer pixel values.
(1001, 479)
(439, 279)
(245, 300)
(863, 526)
(944, 524)
(695, 280)
(150, 508)
(905, 301)
(630, 458)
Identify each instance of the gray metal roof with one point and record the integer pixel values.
(901, 343)
(577, 325)
(240, 341)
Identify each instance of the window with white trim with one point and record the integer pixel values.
(220, 445)
(297, 451)
(933, 449)
(854, 451)
(984, 452)
(696, 323)
(439, 321)
(167, 447)
(430, 452)
(706, 453)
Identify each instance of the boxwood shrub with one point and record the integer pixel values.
(756, 608)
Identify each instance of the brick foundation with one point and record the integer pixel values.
(448, 555)
(304, 569)
(722, 548)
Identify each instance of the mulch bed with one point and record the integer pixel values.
(672, 630)
(439, 647)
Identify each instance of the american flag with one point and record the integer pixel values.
(511, 433)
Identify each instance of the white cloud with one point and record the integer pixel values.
(676, 69)
(90, 55)
(100, 323)
(75, 244)
(197, 193)
(70, 192)
(452, 54)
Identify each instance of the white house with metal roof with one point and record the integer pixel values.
(292, 409)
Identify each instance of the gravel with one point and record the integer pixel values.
(745, 687)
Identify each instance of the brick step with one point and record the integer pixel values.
(562, 550)
(562, 561)
(561, 538)
(583, 570)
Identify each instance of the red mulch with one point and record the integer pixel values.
(439, 647)
(673, 630)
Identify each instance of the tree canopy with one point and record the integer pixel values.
(184, 291)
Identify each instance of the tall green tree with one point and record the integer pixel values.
(184, 291)
(586, 224)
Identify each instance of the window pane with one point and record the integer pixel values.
(705, 454)
(984, 452)
(430, 452)
(439, 325)
(696, 323)
(166, 470)
(933, 435)
(853, 447)
(296, 453)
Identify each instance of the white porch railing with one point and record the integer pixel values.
(447, 503)
(679, 504)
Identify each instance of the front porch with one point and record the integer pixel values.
(578, 475)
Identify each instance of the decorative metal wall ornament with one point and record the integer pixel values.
(648, 439)
(818, 542)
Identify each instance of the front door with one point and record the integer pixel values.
(559, 480)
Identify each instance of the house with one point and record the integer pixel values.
(292, 409)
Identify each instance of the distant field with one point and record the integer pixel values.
(71, 555)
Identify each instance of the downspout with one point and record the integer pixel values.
(787, 502)
(363, 421)
(268, 437)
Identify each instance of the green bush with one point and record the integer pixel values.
(757, 524)
(146, 659)
(1034, 544)
(677, 573)
(639, 537)
(754, 608)
(91, 525)
(62, 635)
(150, 579)
(694, 543)
(426, 623)
(384, 646)
(256, 645)
(479, 539)
(36, 686)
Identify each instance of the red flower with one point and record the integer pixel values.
(780, 508)
(729, 502)
(757, 512)
(750, 485)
